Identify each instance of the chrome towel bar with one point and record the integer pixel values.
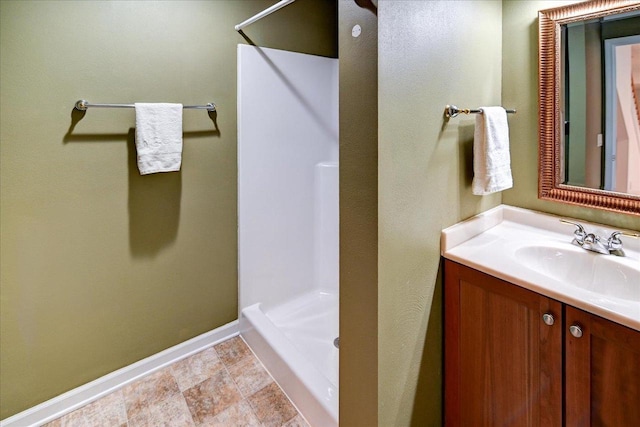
(452, 111)
(83, 104)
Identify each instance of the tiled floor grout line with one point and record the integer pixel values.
(224, 384)
(245, 398)
(225, 367)
(273, 380)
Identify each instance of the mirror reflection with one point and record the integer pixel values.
(600, 99)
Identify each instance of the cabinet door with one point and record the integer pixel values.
(602, 372)
(503, 363)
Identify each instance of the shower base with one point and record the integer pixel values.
(294, 341)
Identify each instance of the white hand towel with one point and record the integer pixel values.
(491, 158)
(158, 137)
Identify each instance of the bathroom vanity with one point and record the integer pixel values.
(538, 331)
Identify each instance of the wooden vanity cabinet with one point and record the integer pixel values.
(511, 360)
(602, 371)
(503, 364)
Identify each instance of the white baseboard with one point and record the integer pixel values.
(87, 393)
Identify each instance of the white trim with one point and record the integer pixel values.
(87, 393)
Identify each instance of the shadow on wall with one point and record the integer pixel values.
(154, 206)
(369, 5)
(307, 105)
(428, 403)
(154, 199)
(467, 202)
(465, 142)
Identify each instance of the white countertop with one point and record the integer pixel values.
(489, 242)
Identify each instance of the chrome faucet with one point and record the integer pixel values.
(593, 242)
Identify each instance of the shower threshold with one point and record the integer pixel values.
(295, 342)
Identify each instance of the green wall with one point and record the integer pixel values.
(358, 215)
(431, 53)
(100, 266)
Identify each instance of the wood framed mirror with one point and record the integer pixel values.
(556, 141)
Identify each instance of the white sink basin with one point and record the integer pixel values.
(608, 275)
(533, 250)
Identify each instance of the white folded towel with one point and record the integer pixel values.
(158, 137)
(491, 159)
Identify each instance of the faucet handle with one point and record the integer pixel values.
(614, 240)
(580, 232)
(615, 234)
(614, 244)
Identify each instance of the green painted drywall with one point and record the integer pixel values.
(358, 216)
(101, 267)
(431, 53)
(520, 91)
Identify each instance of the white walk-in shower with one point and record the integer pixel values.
(288, 222)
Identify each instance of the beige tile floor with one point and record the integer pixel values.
(223, 386)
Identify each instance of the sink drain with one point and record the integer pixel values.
(336, 342)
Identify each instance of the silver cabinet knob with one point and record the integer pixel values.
(575, 330)
(548, 319)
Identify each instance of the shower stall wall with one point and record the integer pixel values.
(288, 222)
